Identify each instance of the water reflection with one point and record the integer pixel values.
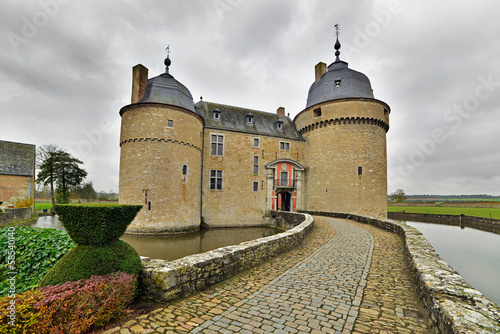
(473, 253)
(177, 246)
(48, 222)
(171, 247)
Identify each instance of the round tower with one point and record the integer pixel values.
(345, 130)
(161, 155)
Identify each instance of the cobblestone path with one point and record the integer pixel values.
(353, 282)
(322, 293)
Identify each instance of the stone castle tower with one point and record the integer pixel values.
(161, 144)
(346, 152)
(229, 166)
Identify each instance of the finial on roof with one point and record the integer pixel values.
(167, 61)
(337, 43)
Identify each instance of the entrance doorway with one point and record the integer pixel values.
(286, 201)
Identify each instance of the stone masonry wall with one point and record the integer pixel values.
(349, 134)
(14, 215)
(153, 155)
(13, 187)
(237, 204)
(168, 280)
(452, 304)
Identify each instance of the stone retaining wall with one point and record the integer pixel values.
(167, 280)
(452, 304)
(484, 224)
(15, 215)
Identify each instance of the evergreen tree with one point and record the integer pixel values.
(59, 168)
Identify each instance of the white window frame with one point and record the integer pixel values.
(216, 179)
(258, 142)
(284, 146)
(219, 148)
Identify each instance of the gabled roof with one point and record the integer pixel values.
(235, 119)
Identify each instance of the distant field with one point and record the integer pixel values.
(439, 210)
(39, 206)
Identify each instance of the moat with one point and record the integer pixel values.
(172, 247)
(473, 253)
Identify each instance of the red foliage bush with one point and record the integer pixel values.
(72, 307)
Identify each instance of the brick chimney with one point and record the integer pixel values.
(139, 81)
(319, 70)
(281, 111)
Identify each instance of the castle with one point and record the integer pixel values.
(208, 163)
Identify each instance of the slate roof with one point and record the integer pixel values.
(165, 89)
(17, 158)
(351, 83)
(235, 119)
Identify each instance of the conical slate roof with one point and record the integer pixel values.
(166, 90)
(339, 82)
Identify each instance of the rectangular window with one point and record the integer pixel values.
(217, 145)
(215, 179)
(170, 123)
(256, 186)
(283, 179)
(256, 142)
(255, 165)
(284, 146)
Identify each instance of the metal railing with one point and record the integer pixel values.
(285, 183)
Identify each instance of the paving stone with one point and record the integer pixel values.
(345, 277)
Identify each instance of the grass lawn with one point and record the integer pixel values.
(39, 206)
(477, 212)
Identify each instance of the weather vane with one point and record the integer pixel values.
(337, 30)
(167, 61)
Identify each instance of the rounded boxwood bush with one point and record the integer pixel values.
(82, 262)
(96, 224)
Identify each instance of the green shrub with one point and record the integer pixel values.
(96, 224)
(73, 307)
(82, 262)
(36, 251)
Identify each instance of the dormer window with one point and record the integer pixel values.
(279, 125)
(217, 113)
(249, 119)
(337, 83)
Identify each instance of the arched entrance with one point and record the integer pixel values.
(284, 201)
(284, 185)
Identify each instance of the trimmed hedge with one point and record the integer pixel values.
(96, 224)
(82, 262)
(74, 307)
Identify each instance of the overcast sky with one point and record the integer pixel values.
(66, 72)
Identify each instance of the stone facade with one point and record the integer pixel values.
(17, 172)
(241, 162)
(238, 203)
(346, 156)
(160, 167)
